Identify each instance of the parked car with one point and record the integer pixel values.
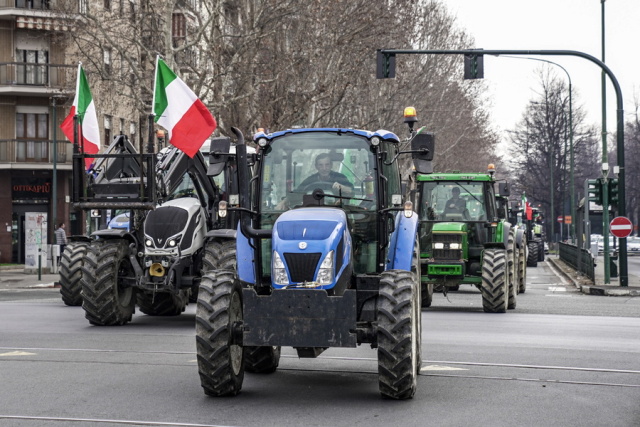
(613, 244)
(120, 221)
(633, 245)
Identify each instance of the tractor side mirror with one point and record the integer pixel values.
(218, 155)
(422, 147)
(503, 189)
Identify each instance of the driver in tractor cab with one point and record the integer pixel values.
(455, 204)
(339, 182)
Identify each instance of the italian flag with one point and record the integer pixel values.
(84, 107)
(178, 110)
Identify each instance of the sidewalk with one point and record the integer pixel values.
(588, 287)
(12, 277)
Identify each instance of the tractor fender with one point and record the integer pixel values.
(502, 236)
(520, 240)
(115, 233)
(244, 258)
(401, 242)
(223, 233)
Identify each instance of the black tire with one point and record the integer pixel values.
(261, 360)
(522, 267)
(494, 281)
(512, 257)
(532, 256)
(540, 250)
(398, 334)
(220, 360)
(218, 254)
(162, 304)
(104, 301)
(71, 264)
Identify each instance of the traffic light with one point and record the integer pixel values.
(385, 65)
(594, 189)
(473, 66)
(613, 192)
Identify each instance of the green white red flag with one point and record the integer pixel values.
(84, 107)
(177, 109)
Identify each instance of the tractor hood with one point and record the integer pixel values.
(311, 248)
(460, 227)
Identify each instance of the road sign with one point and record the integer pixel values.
(560, 218)
(621, 227)
(567, 219)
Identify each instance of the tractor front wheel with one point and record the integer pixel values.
(494, 281)
(398, 334)
(105, 301)
(218, 313)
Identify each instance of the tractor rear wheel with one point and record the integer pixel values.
(105, 301)
(512, 253)
(219, 311)
(261, 360)
(162, 304)
(522, 267)
(71, 272)
(532, 256)
(494, 281)
(398, 334)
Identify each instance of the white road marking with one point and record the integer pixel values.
(441, 368)
(17, 353)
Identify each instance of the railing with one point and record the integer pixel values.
(579, 259)
(43, 75)
(31, 151)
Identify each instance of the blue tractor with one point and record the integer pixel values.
(327, 256)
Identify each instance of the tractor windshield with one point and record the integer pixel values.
(453, 201)
(323, 169)
(318, 168)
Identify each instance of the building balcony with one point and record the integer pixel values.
(30, 79)
(34, 154)
(49, 15)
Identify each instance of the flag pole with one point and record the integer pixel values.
(151, 144)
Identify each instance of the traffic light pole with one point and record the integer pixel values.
(386, 62)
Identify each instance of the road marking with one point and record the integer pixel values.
(441, 368)
(17, 353)
(557, 289)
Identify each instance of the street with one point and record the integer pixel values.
(560, 358)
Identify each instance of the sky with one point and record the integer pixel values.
(557, 25)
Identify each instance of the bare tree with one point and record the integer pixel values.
(540, 148)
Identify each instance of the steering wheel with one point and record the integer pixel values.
(322, 185)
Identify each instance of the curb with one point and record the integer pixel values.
(598, 290)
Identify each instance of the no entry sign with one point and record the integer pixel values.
(621, 227)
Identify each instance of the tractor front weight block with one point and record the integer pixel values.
(299, 318)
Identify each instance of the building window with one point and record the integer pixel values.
(107, 4)
(178, 29)
(32, 131)
(83, 6)
(107, 130)
(32, 4)
(33, 69)
(106, 54)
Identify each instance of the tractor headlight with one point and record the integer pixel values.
(278, 271)
(172, 243)
(438, 245)
(148, 242)
(325, 273)
(455, 246)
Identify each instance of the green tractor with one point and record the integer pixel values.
(464, 240)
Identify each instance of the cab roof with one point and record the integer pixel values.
(381, 133)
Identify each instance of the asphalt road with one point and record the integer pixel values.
(560, 358)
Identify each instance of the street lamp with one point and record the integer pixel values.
(571, 159)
